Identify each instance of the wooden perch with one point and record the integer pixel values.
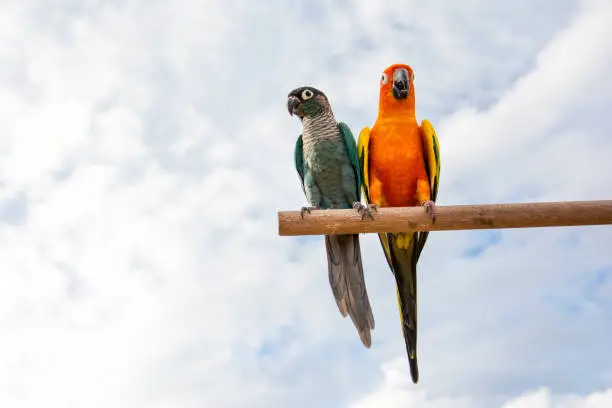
(452, 217)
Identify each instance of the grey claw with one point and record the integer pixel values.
(307, 210)
(430, 208)
(365, 211)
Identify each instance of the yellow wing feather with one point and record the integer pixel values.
(363, 145)
(431, 148)
(431, 153)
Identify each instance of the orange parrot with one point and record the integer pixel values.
(400, 161)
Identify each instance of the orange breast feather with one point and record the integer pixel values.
(396, 162)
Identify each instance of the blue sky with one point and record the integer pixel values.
(145, 149)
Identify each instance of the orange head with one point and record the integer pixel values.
(396, 90)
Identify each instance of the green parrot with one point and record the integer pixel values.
(327, 163)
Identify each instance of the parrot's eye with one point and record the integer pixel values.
(384, 78)
(307, 94)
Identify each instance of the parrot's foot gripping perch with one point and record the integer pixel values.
(308, 209)
(430, 208)
(365, 210)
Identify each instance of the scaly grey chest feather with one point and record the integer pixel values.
(326, 157)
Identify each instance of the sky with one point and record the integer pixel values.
(145, 149)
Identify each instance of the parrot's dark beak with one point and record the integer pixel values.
(401, 85)
(292, 104)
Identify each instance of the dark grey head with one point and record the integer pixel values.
(307, 101)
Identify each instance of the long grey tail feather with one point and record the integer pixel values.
(348, 283)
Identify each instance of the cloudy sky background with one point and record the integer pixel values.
(145, 149)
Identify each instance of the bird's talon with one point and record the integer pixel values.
(431, 209)
(365, 211)
(307, 210)
(370, 209)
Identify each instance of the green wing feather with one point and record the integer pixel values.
(351, 147)
(299, 160)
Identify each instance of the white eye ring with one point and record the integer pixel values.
(384, 78)
(307, 94)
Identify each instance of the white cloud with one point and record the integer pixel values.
(149, 146)
(539, 117)
(397, 391)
